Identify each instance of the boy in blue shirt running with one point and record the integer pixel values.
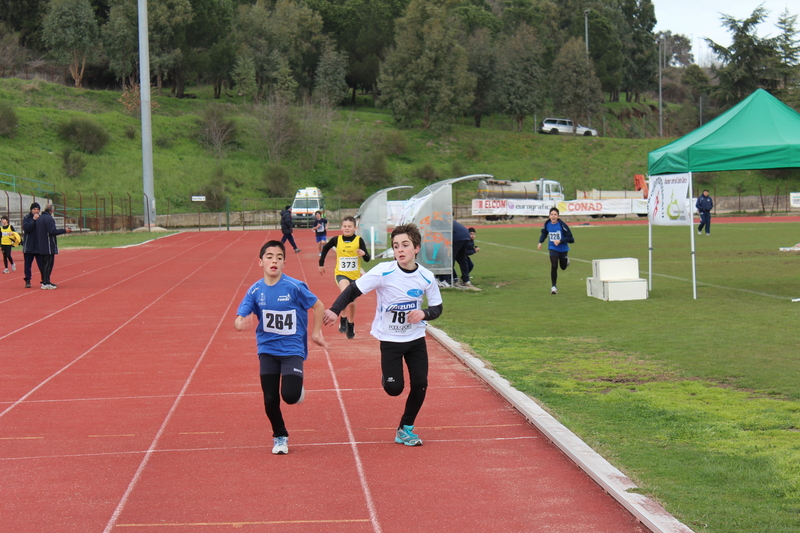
(558, 234)
(280, 305)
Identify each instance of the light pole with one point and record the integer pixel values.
(149, 214)
(660, 113)
(586, 29)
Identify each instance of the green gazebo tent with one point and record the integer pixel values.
(759, 132)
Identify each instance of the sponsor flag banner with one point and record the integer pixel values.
(668, 203)
(488, 207)
(795, 199)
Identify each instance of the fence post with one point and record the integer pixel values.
(80, 213)
(228, 212)
(96, 213)
(112, 211)
(130, 213)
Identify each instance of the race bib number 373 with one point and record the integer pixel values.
(348, 264)
(279, 322)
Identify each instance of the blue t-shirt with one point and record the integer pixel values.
(282, 311)
(555, 234)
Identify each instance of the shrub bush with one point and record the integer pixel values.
(8, 120)
(89, 136)
(277, 182)
(427, 172)
(73, 163)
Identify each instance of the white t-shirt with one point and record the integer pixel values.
(398, 294)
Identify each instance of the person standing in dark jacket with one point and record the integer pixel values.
(704, 205)
(30, 245)
(286, 228)
(46, 232)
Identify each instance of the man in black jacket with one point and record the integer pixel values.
(46, 232)
(286, 228)
(704, 205)
(30, 246)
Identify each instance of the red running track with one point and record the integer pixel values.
(128, 402)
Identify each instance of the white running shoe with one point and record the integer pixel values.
(553, 290)
(280, 445)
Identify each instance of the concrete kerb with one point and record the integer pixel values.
(613, 481)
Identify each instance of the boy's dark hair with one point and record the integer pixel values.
(270, 244)
(318, 213)
(410, 230)
(349, 219)
(554, 209)
(471, 230)
(287, 208)
(4, 217)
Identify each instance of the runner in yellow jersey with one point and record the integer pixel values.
(350, 251)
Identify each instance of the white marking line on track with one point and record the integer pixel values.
(362, 476)
(382, 442)
(644, 272)
(84, 298)
(373, 513)
(149, 453)
(87, 352)
(95, 259)
(259, 523)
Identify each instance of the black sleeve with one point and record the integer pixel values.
(325, 249)
(345, 298)
(543, 236)
(363, 246)
(433, 312)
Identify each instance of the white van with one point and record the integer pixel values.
(307, 202)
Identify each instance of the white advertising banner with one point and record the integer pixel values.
(541, 208)
(488, 207)
(668, 203)
(794, 198)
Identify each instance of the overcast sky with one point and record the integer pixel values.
(701, 18)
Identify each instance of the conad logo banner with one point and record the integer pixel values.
(668, 204)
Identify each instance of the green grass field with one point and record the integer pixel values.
(697, 401)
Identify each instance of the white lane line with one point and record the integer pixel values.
(149, 453)
(87, 352)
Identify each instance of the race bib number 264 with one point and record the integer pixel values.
(279, 322)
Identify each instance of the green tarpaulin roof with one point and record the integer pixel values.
(759, 132)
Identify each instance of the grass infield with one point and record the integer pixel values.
(698, 401)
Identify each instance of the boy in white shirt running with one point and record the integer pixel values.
(399, 323)
(280, 306)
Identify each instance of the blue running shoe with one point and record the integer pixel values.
(280, 445)
(405, 435)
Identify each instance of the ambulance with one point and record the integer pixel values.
(307, 202)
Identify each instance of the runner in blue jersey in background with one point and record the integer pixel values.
(559, 235)
(280, 305)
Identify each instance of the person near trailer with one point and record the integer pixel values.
(320, 229)
(7, 242)
(351, 250)
(30, 244)
(704, 206)
(278, 306)
(286, 228)
(399, 323)
(47, 243)
(559, 236)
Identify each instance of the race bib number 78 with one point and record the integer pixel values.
(279, 322)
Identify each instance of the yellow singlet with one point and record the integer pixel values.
(348, 262)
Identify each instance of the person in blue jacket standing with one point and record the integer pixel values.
(559, 235)
(704, 205)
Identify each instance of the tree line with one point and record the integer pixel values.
(425, 60)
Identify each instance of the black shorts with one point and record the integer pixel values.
(286, 365)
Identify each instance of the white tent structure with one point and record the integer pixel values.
(431, 210)
(373, 218)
